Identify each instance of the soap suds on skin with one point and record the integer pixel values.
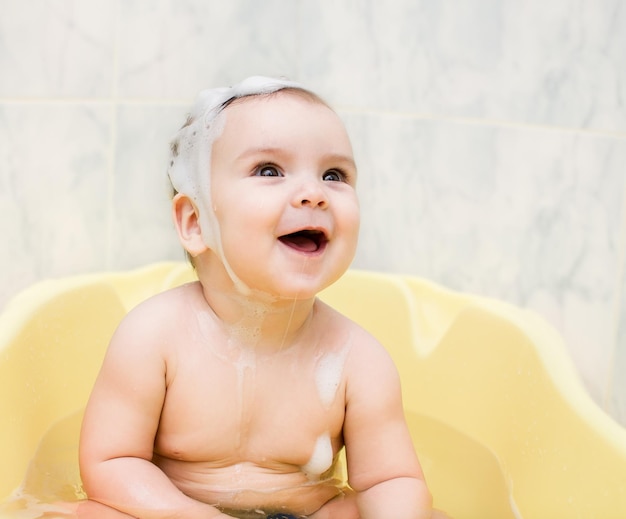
(322, 458)
(328, 374)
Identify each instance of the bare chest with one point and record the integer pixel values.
(274, 412)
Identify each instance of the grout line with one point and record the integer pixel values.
(298, 46)
(98, 101)
(113, 102)
(612, 134)
(186, 102)
(619, 300)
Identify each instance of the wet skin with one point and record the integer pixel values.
(237, 392)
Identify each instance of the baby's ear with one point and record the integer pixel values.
(187, 221)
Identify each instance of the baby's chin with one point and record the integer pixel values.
(284, 286)
(304, 291)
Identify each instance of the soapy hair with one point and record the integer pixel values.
(202, 127)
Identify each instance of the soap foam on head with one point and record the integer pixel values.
(190, 162)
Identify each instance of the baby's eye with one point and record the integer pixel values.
(334, 175)
(268, 170)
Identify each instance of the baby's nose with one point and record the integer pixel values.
(311, 194)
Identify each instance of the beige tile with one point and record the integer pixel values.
(142, 229)
(56, 49)
(171, 49)
(562, 65)
(54, 182)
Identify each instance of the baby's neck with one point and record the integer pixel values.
(258, 321)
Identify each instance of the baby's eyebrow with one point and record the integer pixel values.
(338, 158)
(331, 158)
(252, 152)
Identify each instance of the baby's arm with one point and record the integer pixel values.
(120, 425)
(382, 465)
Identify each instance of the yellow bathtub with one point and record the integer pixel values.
(500, 421)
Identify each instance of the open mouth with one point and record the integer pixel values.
(307, 240)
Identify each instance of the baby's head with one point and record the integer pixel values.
(265, 115)
(190, 151)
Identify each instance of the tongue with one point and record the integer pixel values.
(300, 242)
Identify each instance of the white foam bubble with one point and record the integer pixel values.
(321, 459)
(328, 373)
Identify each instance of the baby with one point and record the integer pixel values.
(233, 396)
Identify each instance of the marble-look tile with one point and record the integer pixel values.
(56, 48)
(53, 186)
(557, 63)
(529, 216)
(174, 48)
(564, 63)
(142, 230)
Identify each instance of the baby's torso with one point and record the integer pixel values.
(243, 430)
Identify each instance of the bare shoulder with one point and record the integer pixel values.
(142, 348)
(159, 317)
(365, 351)
(172, 301)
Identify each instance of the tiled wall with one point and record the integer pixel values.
(490, 135)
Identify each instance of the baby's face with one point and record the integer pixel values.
(283, 193)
